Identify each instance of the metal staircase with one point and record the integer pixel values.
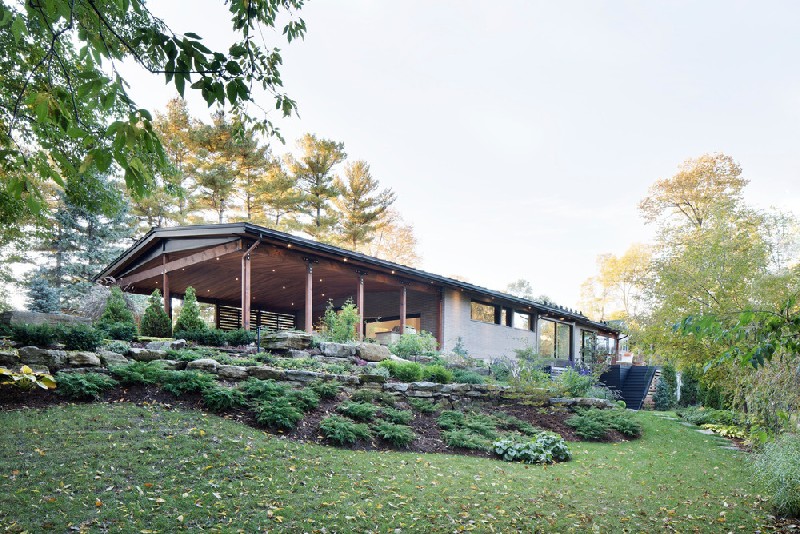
(632, 382)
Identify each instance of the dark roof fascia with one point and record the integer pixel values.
(260, 232)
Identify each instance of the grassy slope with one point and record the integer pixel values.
(124, 467)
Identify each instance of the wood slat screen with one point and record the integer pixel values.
(230, 319)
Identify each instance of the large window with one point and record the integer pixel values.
(522, 320)
(555, 339)
(482, 312)
(388, 324)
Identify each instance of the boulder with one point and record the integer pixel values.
(26, 317)
(173, 344)
(374, 379)
(203, 364)
(232, 372)
(171, 365)
(337, 350)
(83, 359)
(298, 354)
(262, 372)
(109, 358)
(8, 358)
(146, 355)
(426, 386)
(296, 375)
(372, 352)
(400, 387)
(286, 341)
(52, 359)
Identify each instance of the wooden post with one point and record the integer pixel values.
(246, 295)
(440, 320)
(360, 305)
(403, 309)
(167, 299)
(309, 297)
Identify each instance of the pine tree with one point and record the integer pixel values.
(116, 310)
(155, 321)
(42, 297)
(362, 207)
(664, 397)
(212, 165)
(278, 198)
(189, 319)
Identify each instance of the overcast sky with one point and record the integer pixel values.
(520, 136)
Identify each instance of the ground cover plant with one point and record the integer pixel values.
(120, 466)
(594, 425)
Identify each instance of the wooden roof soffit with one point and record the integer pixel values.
(182, 263)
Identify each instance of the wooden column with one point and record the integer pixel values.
(246, 297)
(167, 299)
(440, 321)
(309, 298)
(403, 309)
(360, 305)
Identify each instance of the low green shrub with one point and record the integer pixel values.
(120, 331)
(588, 428)
(343, 431)
(262, 390)
(450, 419)
(437, 373)
(303, 399)
(370, 395)
(623, 422)
(509, 422)
(594, 424)
(238, 338)
(38, 335)
(120, 347)
(339, 326)
(80, 337)
(83, 386)
(777, 467)
(278, 413)
(483, 425)
(546, 448)
(400, 417)
(422, 405)
(729, 431)
(360, 411)
(398, 435)
(710, 416)
(138, 373)
(461, 376)
(575, 384)
(465, 439)
(403, 371)
(326, 389)
(180, 382)
(217, 398)
(410, 345)
(208, 336)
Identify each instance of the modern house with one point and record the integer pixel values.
(258, 276)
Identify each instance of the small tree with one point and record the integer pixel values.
(42, 297)
(155, 321)
(340, 326)
(664, 397)
(189, 319)
(116, 310)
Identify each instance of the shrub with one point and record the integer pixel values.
(623, 422)
(422, 405)
(80, 337)
(208, 336)
(501, 371)
(450, 419)
(370, 395)
(466, 440)
(155, 321)
(180, 382)
(120, 331)
(602, 392)
(138, 373)
(26, 378)
(509, 422)
(664, 397)
(483, 425)
(262, 390)
(690, 386)
(403, 371)
(39, 335)
(574, 383)
(546, 448)
(778, 468)
(360, 411)
(326, 389)
(397, 434)
(218, 398)
(588, 428)
(120, 347)
(240, 337)
(437, 373)
(278, 413)
(422, 344)
(461, 376)
(340, 326)
(343, 431)
(594, 424)
(83, 386)
(189, 319)
(400, 417)
(303, 399)
(378, 371)
(116, 310)
(702, 416)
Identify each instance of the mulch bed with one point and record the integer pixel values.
(424, 425)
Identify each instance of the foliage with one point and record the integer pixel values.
(339, 326)
(119, 331)
(588, 428)
(702, 416)
(116, 310)
(371, 395)
(180, 382)
(138, 373)
(26, 378)
(461, 376)
(189, 319)
(575, 383)
(690, 386)
(360, 411)
(303, 399)
(210, 337)
(422, 405)
(37, 335)
(664, 397)
(546, 448)
(83, 386)
(80, 337)
(437, 373)
(602, 392)
(450, 419)
(343, 431)
(117, 346)
(263, 390)
(399, 417)
(593, 424)
(326, 389)
(217, 398)
(277, 413)
(778, 468)
(509, 422)
(42, 297)
(464, 439)
(155, 321)
(409, 345)
(403, 371)
(398, 435)
(361, 207)
(240, 337)
(728, 431)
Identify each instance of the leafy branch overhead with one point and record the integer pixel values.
(65, 110)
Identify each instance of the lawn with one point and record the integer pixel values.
(122, 467)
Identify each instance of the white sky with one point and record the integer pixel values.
(520, 136)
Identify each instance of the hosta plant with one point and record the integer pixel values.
(26, 378)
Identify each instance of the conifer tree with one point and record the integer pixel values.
(189, 319)
(361, 205)
(42, 297)
(155, 321)
(116, 310)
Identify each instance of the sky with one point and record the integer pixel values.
(520, 136)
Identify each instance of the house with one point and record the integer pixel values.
(256, 276)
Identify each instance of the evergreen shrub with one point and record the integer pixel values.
(83, 386)
(80, 337)
(396, 434)
(343, 431)
(189, 319)
(155, 321)
(38, 335)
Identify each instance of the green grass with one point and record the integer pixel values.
(123, 467)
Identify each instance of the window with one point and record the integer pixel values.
(482, 312)
(387, 324)
(563, 341)
(522, 320)
(555, 339)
